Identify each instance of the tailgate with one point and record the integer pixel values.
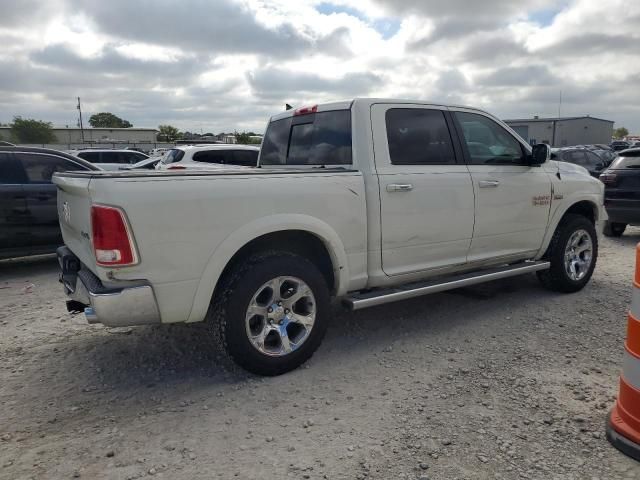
(74, 215)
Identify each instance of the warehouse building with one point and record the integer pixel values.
(563, 131)
(75, 135)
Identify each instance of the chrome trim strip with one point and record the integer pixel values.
(354, 303)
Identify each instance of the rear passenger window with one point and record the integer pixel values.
(40, 168)
(93, 157)
(246, 158)
(213, 156)
(418, 136)
(322, 138)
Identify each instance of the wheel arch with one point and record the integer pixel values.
(587, 207)
(300, 234)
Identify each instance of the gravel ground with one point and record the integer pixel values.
(505, 380)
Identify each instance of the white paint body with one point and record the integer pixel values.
(188, 225)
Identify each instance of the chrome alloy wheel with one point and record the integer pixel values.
(578, 255)
(280, 316)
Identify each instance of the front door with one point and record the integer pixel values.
(512, 198)
(426, 196)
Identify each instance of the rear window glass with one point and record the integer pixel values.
(172, 156)
(322, 138)
(629, 160)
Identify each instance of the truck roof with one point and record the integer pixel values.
(347, 104)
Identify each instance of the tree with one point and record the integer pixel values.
(244, 138)
(168, 133)
(108, 120)
(620, 132)
(28, 130)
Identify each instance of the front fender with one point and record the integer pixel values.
(594, 199)
(223, 253)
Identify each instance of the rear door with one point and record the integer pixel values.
(14, 231)
(41, 194)
(427, 209)
(512, 199)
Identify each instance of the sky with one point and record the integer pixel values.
(225, 65)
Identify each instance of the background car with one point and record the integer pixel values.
(622, 192)
(28, 207)
(107, 159)
(198, 156)
(618, 145)
(158, 152)
(148, 163)
(581, 156)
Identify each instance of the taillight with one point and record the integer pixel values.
(608, 179)
(176, 167)
(112, 241)
(305, 110)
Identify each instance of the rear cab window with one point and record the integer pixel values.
(321, 138)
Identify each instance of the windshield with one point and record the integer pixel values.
(172, 156)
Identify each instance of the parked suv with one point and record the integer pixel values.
(622, 192)
(28, 211)
(581, 156)
(109, 159)
(200, 156)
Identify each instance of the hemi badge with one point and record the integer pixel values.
(558, 196)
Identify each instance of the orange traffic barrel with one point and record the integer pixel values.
(623, 426)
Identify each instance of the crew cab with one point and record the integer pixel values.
(366, 201)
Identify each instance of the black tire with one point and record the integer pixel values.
(613, 229)
(229, 309)
(557, 278)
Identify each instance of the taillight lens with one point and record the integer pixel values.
(112, 241)
(176, 167)
(608, 179)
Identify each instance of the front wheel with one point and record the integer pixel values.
(272, 313)
(613, 229)
(573, 252)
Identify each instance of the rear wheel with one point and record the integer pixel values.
(272, 313)
(613, 229)
(573, 252)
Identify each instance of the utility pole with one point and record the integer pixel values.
(81, 126)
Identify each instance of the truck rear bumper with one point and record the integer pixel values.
(114, 307)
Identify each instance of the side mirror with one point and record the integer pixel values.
(540, 153)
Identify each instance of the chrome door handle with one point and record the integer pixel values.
(399, 187)
(488, 183)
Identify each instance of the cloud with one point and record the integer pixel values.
(230, 64)
(282, 84)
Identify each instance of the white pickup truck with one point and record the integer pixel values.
(367, 201)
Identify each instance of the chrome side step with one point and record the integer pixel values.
(379, 297)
